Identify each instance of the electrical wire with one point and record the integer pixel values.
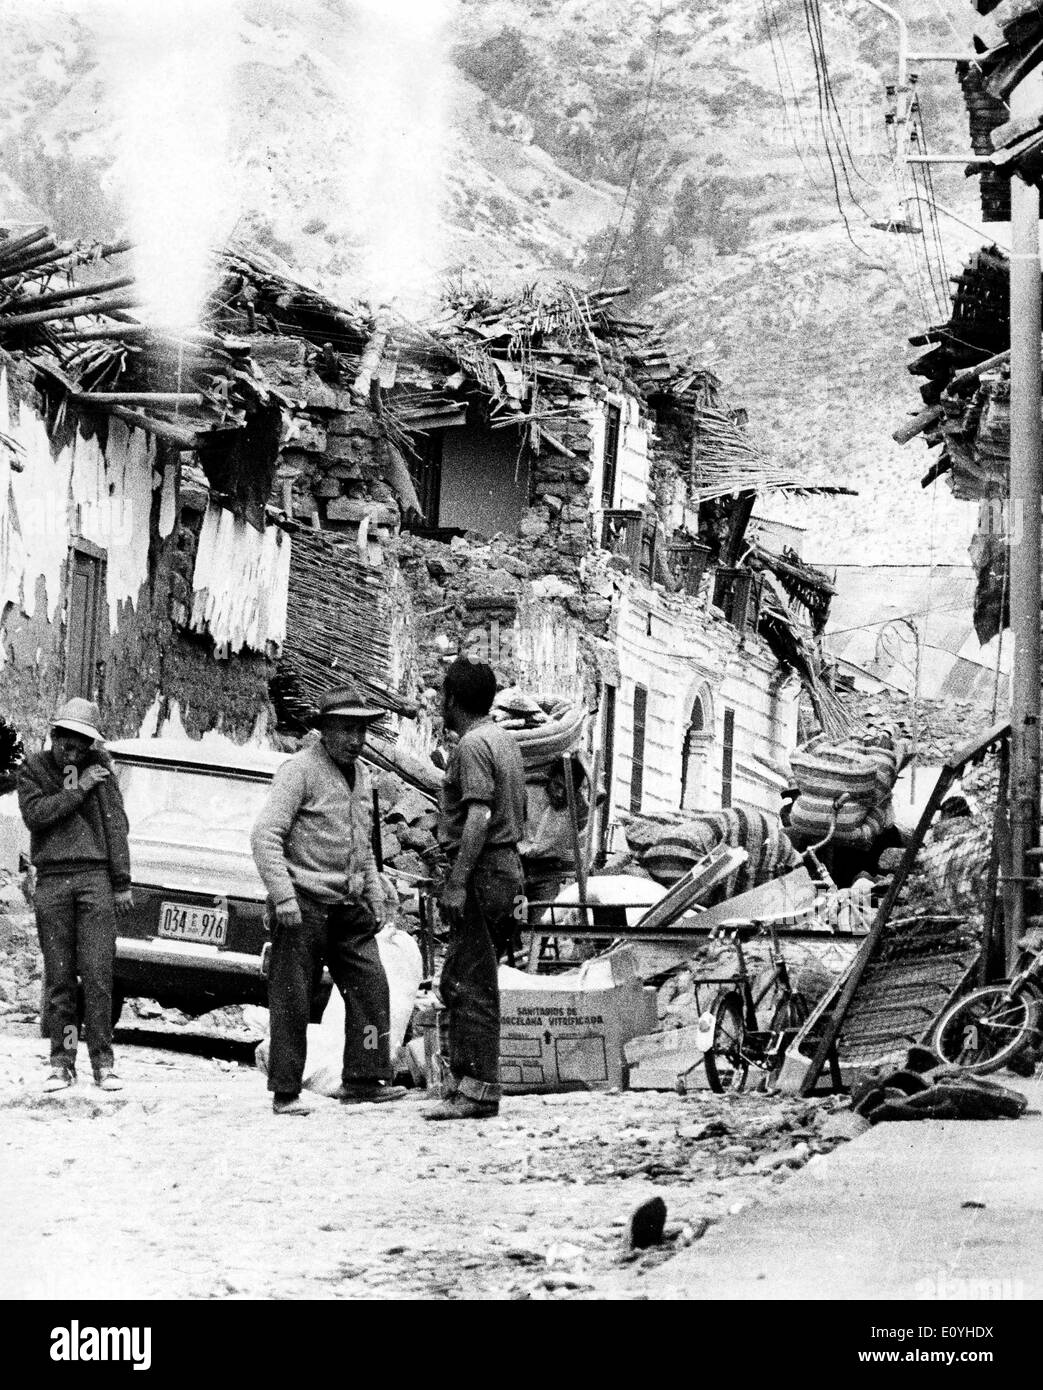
(843, 146)
(825, 124)
(940, 297)
(927, 179)
(771, 18)
(640, 145)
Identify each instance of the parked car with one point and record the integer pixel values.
(196, 938)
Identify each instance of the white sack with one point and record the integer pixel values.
(400, 957)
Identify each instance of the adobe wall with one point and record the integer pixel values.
(148, 656)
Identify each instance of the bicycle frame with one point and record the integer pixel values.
(779, 980)
(761, 1048)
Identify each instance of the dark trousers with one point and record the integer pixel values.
(469, 987)
(344, 937)
(76, 924)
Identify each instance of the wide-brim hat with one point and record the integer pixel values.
(347, 702)
(79, 717)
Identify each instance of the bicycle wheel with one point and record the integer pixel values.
(726, 1068)
(791, 1013)
(986, 1028)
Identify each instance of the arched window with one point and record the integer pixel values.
(695, 745)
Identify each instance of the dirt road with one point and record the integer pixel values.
(186, 1186)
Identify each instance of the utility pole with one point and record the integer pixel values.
(1026, 486)
(1025, 489)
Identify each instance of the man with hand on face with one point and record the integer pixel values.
(482, 819)
(72, 805)
(313, 848)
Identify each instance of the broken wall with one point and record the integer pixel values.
(675, 647)
(113, 487)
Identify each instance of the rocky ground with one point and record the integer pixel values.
(194, 1189)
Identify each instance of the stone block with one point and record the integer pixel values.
(570, 545)
(353, 509)
(408, 862)
(359, 422)
(409, 808)
(416, 837)
(533, 527)
(390, 844)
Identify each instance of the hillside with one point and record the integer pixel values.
(677, 147)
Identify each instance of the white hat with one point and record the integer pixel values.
(79, 716)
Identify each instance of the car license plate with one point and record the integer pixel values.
(185, 923)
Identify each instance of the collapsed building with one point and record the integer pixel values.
(202, 528)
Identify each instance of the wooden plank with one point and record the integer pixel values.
(917, 424)
(70, 311)
(791, 893)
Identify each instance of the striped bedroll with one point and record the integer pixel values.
(863, 768)
(760, 834)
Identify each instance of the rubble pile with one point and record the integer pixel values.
(495, 601)
(940, 726)
(21, 966)
(408, 840)
(336, 461)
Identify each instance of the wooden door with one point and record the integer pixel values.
(86, 607)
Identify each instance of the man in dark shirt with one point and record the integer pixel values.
(482, 820)
(71, 803)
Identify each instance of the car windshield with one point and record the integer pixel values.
(180, 806)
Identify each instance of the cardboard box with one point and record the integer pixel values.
(657, 1061)
(567, 1032)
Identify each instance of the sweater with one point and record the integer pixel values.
(70, 828)
(314, 834)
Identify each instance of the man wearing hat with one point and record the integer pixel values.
(313, 849)
(72, 805)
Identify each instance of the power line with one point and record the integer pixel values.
(640, 146)
(770, 19)
(831, 96)
(825, 124)
(927, 179)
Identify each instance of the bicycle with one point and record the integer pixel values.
(993, 1025)
(737, 1042)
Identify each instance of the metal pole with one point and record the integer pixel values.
(577, 850)
(1024, 522)
(918, 639)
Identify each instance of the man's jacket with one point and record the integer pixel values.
(314, 834)
(69, 828)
